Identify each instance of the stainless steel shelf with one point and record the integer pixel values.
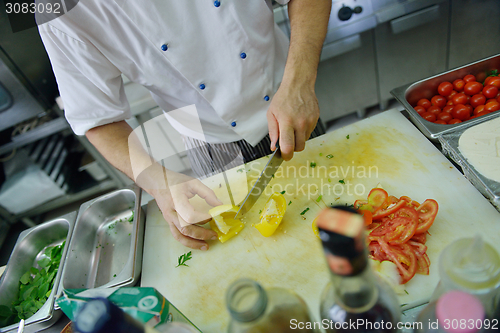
(38, 133)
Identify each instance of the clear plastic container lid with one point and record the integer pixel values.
(455, 306)
(470, 264)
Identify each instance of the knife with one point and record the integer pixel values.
(260, 185)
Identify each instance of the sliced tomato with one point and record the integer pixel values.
(420, 238)
(410, 202)
(426, 214)
(423, 264)
(377, 197)
(376, 251)
(403, 257)
(391, 208)
(419, 247)
(398, 228)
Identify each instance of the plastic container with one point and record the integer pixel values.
(472, 266)
(254, 309)
(454, 312)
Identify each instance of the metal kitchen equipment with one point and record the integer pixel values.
(409, 95)
(450, 146)
(260, 185)
(106, 248)
(29, 248)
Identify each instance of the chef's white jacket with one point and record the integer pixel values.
(226, 57)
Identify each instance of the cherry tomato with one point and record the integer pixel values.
(441, 122)
(448, 109)
(490, 91)
(479, 108)
(495, 81)
(453, 93)
(439, 100)
(429, 116)
(490, 100)
(472, 88)
(444, 116)
(454, 121)
(445, 88)
(469, 78)
(425, 103)
(498, 99)
(459, 99)
(460, 112)
(450, 102)
(419, 109)
(477, 100)
(482, 113)
(471, 109)
(435, 110)
(459, 84)
(487, 81)
(492, 106)
(472, 117)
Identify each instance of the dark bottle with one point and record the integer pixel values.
(355, 300)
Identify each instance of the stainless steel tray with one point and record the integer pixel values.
(489, 188)
(29, 248)
(106, 249)
(409, 95)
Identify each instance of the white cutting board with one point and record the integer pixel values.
(407, 164)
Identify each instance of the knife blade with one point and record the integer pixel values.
(260, 185)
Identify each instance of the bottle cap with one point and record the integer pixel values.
(342, 233)
(457, 305)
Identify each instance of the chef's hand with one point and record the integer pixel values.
(292, 116)
(181, 215)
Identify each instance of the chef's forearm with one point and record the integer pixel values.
(309, 23)
(119, 145)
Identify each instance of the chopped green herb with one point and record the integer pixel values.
(240, 170)
(341, 181)
(320, 154)
(114, 275)
(350, 206)
(260, 211)
(357, 133)
(347, 136)
(304, 211)
(329, 180)
(183, 258)
(272, 176)
(34, 288)
(404, 304)
(319, 198)
(329, 156)
(131, 218)
(282, 192)
(406, 292)
(312, 165)
(290, 203)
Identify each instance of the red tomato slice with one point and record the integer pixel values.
(420, 238)
(403, 257)
(391, 208)
(377, 197)
(426, 214)
(419, 247)
(423, 264)
(399, 228)
(367, 216)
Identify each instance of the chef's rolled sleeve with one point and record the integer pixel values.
(91, 87)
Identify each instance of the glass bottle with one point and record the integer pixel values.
(473, 266)
(253, 309)
(455, 311)
(102, 316)
(355, 300)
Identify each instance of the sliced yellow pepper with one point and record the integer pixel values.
(272, 214)
(315, 228)
(224, 223)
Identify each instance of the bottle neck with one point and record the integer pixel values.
(246, 300)
(356, 293)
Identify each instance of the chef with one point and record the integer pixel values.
(247, 84)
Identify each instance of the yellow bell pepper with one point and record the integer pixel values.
(224, 223)
(315, 228)
(272, 214)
